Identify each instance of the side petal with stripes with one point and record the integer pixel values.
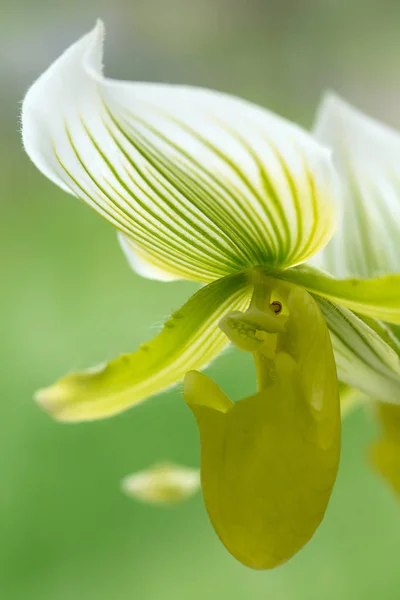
(190, 339)
(367, 354)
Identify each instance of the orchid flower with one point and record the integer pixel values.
(207, 187)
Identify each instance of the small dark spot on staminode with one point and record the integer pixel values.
(276, 307)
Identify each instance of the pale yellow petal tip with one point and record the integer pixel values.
(162, 484)
(49, 401)
(58, 402)
(70, 398)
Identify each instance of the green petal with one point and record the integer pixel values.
(367, 156)
(384, 454)
(269, 461)
(190, 339)
(367, 355)
(162, 484)
(378, 298)
(200, 184)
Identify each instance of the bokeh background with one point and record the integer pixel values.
(69, 300)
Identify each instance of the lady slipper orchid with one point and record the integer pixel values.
(208, 187)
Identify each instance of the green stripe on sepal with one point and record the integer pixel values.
(378, 298)
(190, 339)
(363, 359)
(202, 184)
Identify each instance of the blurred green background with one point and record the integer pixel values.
(69, 300)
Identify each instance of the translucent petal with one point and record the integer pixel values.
(378, 297)
(269, 461)
(190, 339)
(163, 483)
(203, 183)
(367, 354)
(367, 155)
(142, 263)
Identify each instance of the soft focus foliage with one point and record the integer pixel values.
(70, 300)
(162, 484)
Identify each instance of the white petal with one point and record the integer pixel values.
(203, 183)
(367, 155)
(164, 483)
(367, 353)
(141, 264)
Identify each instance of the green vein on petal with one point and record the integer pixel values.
(201, 183)
(190, 339)
(363, 358)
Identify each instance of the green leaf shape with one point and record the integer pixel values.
(364, 359)
(378, 297)
(366, 154)
(199, 184)
(190, 339)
